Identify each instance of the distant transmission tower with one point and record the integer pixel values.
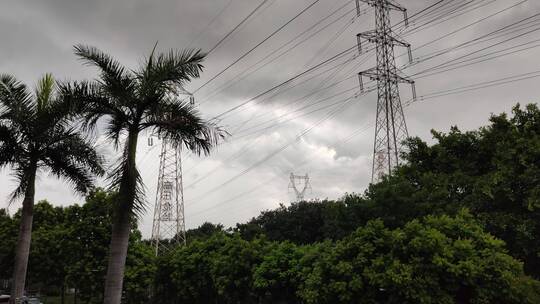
(303, 181)
(391, 128)
(169, 226)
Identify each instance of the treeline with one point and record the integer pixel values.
(459, 223)
(438, 259)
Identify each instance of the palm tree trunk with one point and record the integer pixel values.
(122, 224)
(23, 243)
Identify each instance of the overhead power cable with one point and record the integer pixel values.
(236, 27)
(310, 69)
(216, 17)
(457, 11)
(481, 85)
(246, 148)
(470, 25)
(259, 44)
(246, 72)
(333, 58)
(282, 148)
(442, 65)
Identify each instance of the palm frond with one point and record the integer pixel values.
(74, 160)
(89, 99)
(165, 72)
(115, 128)
(10, 149)
(16, 103)
(22, 176)
(110, 68)
(44, 92)
(181, 124)
(116, 80)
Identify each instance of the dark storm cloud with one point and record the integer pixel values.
(37, 37)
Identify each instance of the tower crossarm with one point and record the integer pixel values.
(385, 4)
(375, 37)
(376, 75)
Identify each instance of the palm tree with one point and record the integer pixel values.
(129, 102)
(37, 133)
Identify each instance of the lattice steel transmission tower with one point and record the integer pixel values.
(169, 226)
(299, 180)
(390, 128)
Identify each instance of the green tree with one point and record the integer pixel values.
(214, 270)
(204, 231)
(90, 231)
(140, 270)
(36, 134)
(51, 252)
(494, 171)
(276, 278)
(8, 235)
(89, 236)
(132, 101)
(433, 260)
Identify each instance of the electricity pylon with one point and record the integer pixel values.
(391, 128)
(297, 179)
(169, 226)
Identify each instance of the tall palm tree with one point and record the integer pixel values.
(129, 102)
(37, 133)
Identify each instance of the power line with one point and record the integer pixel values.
(333, 58)
(244, 74)
(457, 11)
(245, 149)
(274, 153)
(470, 25)
(420, 77)
(306, 161)
(481, 85)
(256, 46)
(214, 19)
(442, 65)
(236, 27)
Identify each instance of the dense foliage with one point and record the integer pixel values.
(438, 259)
(69, 250)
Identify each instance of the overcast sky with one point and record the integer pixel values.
(37, 38)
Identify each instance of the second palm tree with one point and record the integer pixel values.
(132, 101)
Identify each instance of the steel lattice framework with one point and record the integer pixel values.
(390, 128)
(169, 229)
(169, 226)
(297, 179)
